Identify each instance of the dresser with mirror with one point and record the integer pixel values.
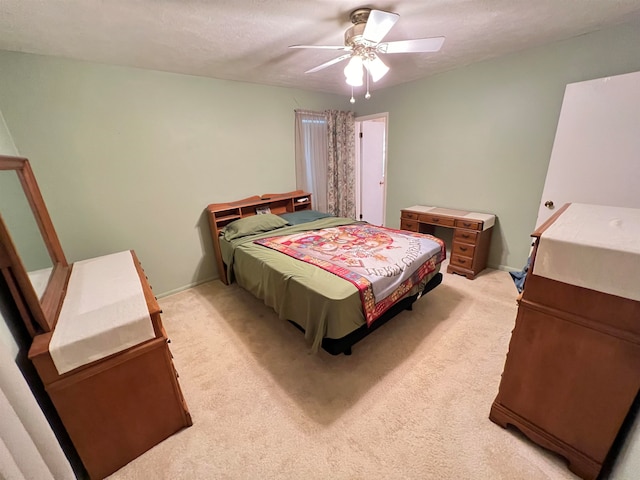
(98, 342)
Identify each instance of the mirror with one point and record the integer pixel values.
(24, 232)
(34, 264)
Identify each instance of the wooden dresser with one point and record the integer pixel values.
(98, 343)
(471, 235)
(118, 407)
(573, 367)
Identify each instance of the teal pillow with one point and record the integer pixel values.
(252, 225)
(304, 216)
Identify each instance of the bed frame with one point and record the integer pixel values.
(336, 346)
(221, 214)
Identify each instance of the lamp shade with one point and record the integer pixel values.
(353, 71)
(376, 68)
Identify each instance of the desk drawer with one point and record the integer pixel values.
(409, 215)
(470, 224)
(437, 220)
(461, 261)
(411, 225)
(464, 249)
(465, 236)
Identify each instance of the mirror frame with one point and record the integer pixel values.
(39, 314)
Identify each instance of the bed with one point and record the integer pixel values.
(276, 247)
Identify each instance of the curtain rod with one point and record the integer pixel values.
(308, 112)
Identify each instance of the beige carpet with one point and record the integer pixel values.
(412, 402)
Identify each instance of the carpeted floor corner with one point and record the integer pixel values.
(412, 402)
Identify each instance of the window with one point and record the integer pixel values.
(311, 155)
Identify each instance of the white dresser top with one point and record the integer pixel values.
(104, 312)
(595, 247)
(487, 219)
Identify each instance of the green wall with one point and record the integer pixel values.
(480, 137)
(129, 158)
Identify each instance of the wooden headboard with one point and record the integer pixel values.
(221, 214)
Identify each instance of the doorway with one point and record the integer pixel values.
(371, 167)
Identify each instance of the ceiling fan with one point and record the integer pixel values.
(363, 42)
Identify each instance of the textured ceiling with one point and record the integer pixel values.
(247, 40)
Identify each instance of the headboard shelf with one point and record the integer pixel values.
(221, 214)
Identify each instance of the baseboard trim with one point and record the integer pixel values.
(185, 287)
(505, 268)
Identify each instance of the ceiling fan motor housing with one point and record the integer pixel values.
(360, 15)
(353, 36)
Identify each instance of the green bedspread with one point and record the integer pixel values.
(320, 302)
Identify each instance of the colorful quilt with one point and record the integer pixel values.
(383, 263)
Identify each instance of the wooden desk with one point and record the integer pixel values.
(471, 236)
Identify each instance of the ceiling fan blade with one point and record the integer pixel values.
(326, 47)
(378, 25)
(329, 63)
(412, 46)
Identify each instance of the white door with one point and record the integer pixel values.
(372, 169)
(596, 152)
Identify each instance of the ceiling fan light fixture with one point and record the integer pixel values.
(376, 67)
(353, 71)
(364, 40)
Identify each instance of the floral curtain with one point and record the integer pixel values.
(341, 164)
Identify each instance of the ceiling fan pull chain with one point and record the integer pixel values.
(353, 100)
(367, 95)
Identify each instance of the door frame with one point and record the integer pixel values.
(358, 129)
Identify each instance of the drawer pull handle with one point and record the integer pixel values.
(466, 224)
(464, 235)
(463, 249)
(436, 220)
(462, 261)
